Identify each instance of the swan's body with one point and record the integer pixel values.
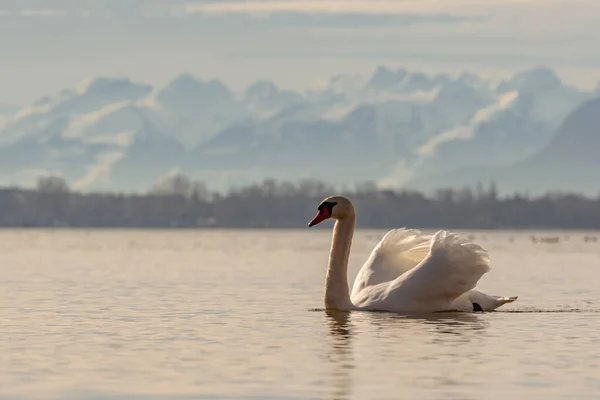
(407, 272)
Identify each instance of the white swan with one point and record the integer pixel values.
(407, 272)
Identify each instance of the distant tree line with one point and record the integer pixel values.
(177, 201)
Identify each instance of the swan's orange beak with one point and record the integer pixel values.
(321, 216)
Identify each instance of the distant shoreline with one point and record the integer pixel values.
(270, 205)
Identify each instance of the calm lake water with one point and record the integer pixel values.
(231, 315)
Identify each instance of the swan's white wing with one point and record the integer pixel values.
(397, 252)
(452, 267)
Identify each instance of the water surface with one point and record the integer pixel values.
(231, 315)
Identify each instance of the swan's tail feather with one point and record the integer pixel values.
(506, 300)
(500, 301)
(489, 303)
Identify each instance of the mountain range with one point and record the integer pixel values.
(400, 128)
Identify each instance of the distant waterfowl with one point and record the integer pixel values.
(592, 239)
(545, 239)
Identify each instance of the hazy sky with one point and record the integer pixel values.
(47, 45)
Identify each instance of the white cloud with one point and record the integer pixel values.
(164, 178)
(78, 124)
(121, 139)
(227, 42)
(458, 7)
(100, 170)
(43, 12)
(29, 111)
(467, 131)
(312, 7)
(400, 174)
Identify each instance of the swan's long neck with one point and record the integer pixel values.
(337, 292)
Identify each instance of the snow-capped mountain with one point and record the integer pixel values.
(516, 120)
(117, 134)
(569, 162)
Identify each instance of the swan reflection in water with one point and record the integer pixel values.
(340, 355)
(394, 338)
(465, 327)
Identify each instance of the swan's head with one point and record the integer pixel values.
(334, 207)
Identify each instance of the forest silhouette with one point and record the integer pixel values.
(178, 202)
